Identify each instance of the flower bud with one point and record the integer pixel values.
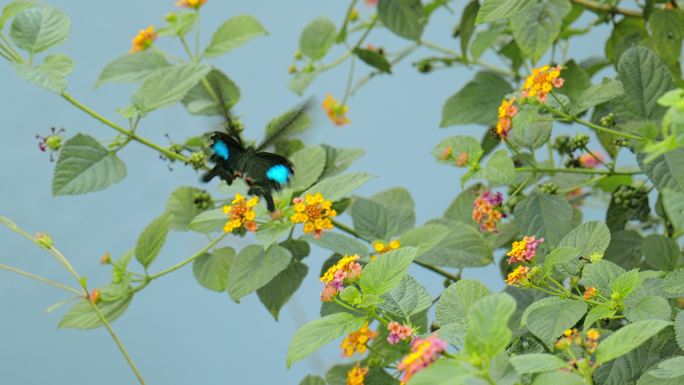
(44, 240)
(106, 258)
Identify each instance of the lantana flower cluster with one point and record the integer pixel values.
(382, 248)
(398, 332)
(507, 111)
(344, 272)
(424, 351)
(193, 4)
(315, 212)
(144, 39)
(487, 210)
(588, 342)
(448, 155)
(337, 113)
(241, 214)
(357, 341)
(591, 160)
(522, 251)
(356, 375)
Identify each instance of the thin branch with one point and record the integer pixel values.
(42, 279)
(594, 6)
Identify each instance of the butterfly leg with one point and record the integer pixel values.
(260, 191)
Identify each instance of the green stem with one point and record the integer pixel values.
(5, 53)
(11, 49)
(579, 171)
(186, 47)
(42, 279)
(596, 127)
(589, 4)
(549, 147)
(118, 342)
(197, 35)
(169, 154)
(188, 260)
(345, 23)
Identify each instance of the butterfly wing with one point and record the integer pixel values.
(269, 169)
(228, 156)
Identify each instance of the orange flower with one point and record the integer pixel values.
(144, 39)
(541, 82)
(356, 341)
(507, 110)
(591, 161)
(315, 212)
(194, 4)
(382, 248)
(356, 375)
(241, 214)
(337, 113)
(590, 292)
(519, 275)
(94, 296)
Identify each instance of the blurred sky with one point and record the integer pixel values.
(176, 331)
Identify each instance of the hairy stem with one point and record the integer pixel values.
(594, 6)
(42, 279)
(188, 260)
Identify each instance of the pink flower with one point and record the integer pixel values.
(524, 250)
(589, 161)
(398, 332)
(371, 3)
(423, 352)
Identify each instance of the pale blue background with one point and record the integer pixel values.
(177, 332)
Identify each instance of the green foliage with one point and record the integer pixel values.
(152, 240)
(37, 29)
(317, 38)
(476, 102)
(167, 86)
(234, 33)
(212, 269)
(627, 339)
(403, 17)
(132, 68)
(254, 267)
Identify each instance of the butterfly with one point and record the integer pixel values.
(264, 172)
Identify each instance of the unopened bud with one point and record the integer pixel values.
(44, 240)
(106, 259)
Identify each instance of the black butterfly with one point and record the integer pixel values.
(264, 172)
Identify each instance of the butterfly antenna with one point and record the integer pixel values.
(296, 114)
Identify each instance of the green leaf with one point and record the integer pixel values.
(558, 378)
(537, 363)
(132, 67)
(466, 27)
(542, 215)
(667, 27)
(451, 310)
(211, 269)
(499, 169)
(283, 286)
(666, 171)
(531, 130)
(339, 186)
(309, 163)
(488, 333)
(85, 166)
(271, 232)
(538, 26)
(37, 29)
(679, 329)
(625, 283)
(301, 81)
(233, 33)
(477, 102)
(674, 283)
(208, 221)
(487, 39)
(82, 315)
(254, 267)
(339, 243)
(403, 17)
(317, 38)
(374, 59)
(549, 320)
(339, 159)
(182, 207)
(444, 372)
(14, 8)
(597, 94)
(492, 10)
(590, 238)
(464, 246)
(180, 25)
(672, 368)
(598, 313)
(455, 146)
(50, 74)
(662, 253)
(627, 33)
(645, 79)
(628, 338)
(577, 80)
(385, 273)
(673, 205)
(563, 259)
(601, 275)
(650, 307)
(401, 206)
(168, 85)
(317, 333)
(407, 299)
(203, 100)
(374, 221)
(461, 208)
(312, 380)
(425, 237)
(152, 239)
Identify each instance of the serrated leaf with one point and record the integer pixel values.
(339, 186)
(538, 26)
(488, 333)
(461, 208)
(597, 94)
(374, 59)
(407, 299)
(37, 29)
(598, 313)
(451, 310)
(309, 164)
(665, 171)
(386, 272)
(208, 221)
(339, 159)
(271, 232)
(590, 238)
(464, 246)
(477, 102)
(312, 380)
(182, 207)
(624, 284)
(661, 253)
(339, 243)
(403, 17)
(679, 329)
(542, 215)
(531, 130)
(551, 319)
(203, 99)
(132, 67)
(562, 259)
(50, 74)
(628, 338)
(233, 33)
(167, 86)
(317, 333)
(492, 10)
(499, 169)
(255, 267)
(667, 27)
(82, 315)
(537, 363)
(282, 287)
(13, 8)
(85, 166)
(650, 307)
(211, 269)
(152, 239)
(558, 378)
(444, 372)
(456, 145)
(317, 38)
(425, 237)
(600, 275)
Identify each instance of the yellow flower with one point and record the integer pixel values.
(144, 39)
(590, 292)
(541, 82)
(356, 341)
(356, 375)
(315, 212)
(507, 110)
(337, 113)
(593, 334)
(342, 264)
(382, 248)
(519, 275)
(241, 214)
(194, 4)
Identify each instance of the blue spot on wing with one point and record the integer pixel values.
(221, 149)
(278, 173)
